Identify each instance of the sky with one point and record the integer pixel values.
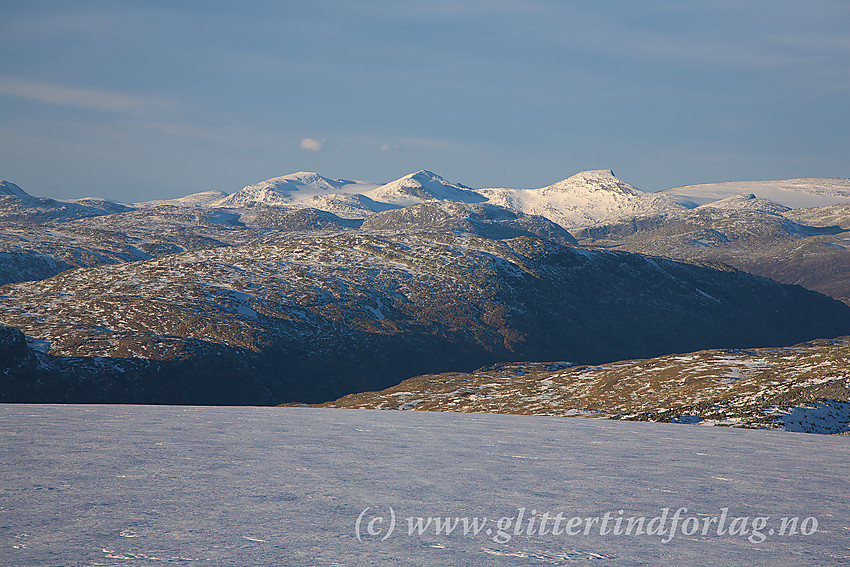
(155, 99)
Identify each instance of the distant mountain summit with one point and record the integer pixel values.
(423, 186)
(290, 189)
(583, 199)
(593, 181)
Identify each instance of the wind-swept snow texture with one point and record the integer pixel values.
(149, 486)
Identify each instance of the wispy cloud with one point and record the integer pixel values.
(60, 95)
(312, 144)
(391, 148)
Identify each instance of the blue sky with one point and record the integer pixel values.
(148, 99)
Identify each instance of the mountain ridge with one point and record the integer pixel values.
(311, 318)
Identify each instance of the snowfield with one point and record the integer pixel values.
(242, 486)
(794, 193)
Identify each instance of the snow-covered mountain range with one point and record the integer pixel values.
(581, 200)
(585, 199)
(318, 286)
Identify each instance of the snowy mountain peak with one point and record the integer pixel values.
(9, 188)
(299, 180)
(425, 176)
(310, 178)
(595, 174)
(423, 186)
(583, 199)
(421, 178)
(593, 181)
(290, 189)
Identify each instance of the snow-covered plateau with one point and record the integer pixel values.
(118, 486)
(794, 193)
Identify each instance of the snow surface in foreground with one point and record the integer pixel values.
(154, 485)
